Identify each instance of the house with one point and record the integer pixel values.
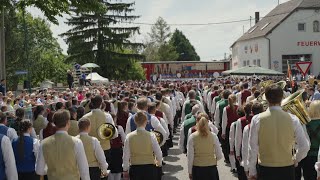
(288, 34)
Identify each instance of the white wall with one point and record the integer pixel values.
(251, 50)
(285, 38)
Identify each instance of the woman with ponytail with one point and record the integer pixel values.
(203, 152)
(25, 150)
(50, 129)
(39, 121)
(20, 113)
(230, 114)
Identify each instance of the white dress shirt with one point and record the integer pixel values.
(164, 125)
(8, 158)
(217, 117)
(302, 144)
(126, 150)
(121, 133)
(317, 165)
(245, 148)
(213, 105)
(238, 137)
(190, 150)
(11, 133)
(165, 108)
(232, 136)
(99, 153)
(181, 138)
(224, 120)
(238, 97)
(155, 123)
(41, 167)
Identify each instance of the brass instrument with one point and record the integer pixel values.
(158, 135)
(106, 131)
(264, 84)
(295, 104)
(262, 97)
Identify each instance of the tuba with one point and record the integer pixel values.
(158, 135)
(262, 97)
(264, 84)
(106, 131)
(295, 104)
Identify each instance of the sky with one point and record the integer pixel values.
(210, 41)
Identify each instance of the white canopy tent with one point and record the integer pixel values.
(97, 79)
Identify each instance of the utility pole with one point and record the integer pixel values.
(26, 51)
(2, 47)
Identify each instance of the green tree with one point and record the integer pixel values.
(183, 47)
(46, 60)
(100, 36)
(157, 47)
(54, 8)
(160, 32)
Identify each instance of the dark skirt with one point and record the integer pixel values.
(115, 165)
(205, 173)
(28, 176)
(143, 172)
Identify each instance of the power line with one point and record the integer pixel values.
(215, 23)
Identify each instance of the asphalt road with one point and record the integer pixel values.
(176, 167)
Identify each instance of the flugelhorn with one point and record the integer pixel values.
(106, 131)
(295, 104)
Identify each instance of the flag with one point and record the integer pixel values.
(289, 74)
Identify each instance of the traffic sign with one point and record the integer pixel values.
(304, 67)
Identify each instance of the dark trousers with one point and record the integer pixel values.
(307, 166)
(169, 141)
(70, 84)
(240, 171)
(205, 173)
(28, 176)
(276, 173)
(226, 146)
(107, 153)
(143, 172)
(95, 173)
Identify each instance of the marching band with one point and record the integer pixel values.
(264, 131)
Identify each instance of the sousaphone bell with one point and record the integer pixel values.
(106, 131)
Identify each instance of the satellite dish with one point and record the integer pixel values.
(179, 75)
(216, 74)
(154, 78)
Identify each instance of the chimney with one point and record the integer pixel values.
(257, 17)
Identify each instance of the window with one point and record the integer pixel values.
(265, 26)
(316, 26)
(248, 63)
(301, 26)
(254, 62)
(244, 63)
(258, 62)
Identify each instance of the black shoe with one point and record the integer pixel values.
(163, 163)
(234, 171)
